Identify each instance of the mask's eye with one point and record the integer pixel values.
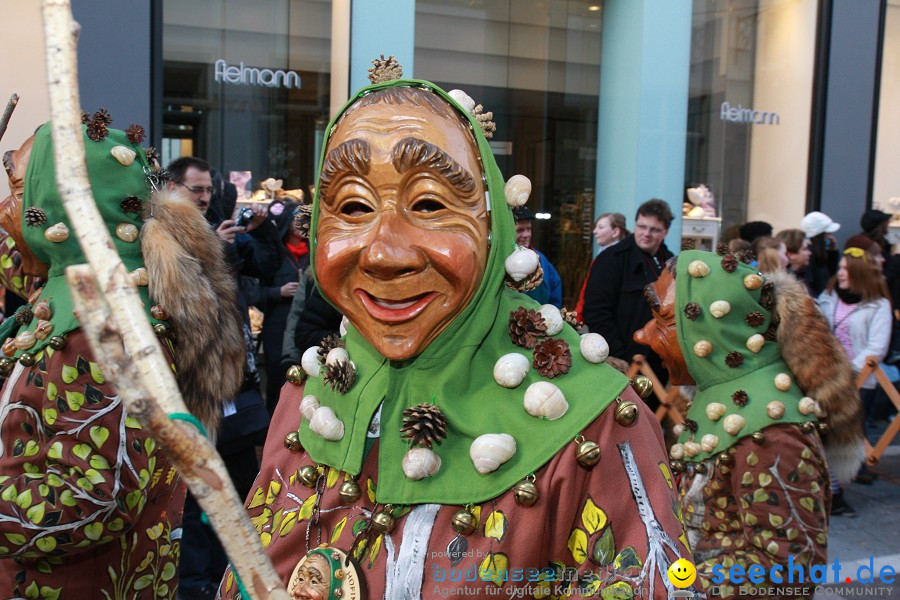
(355, 209)
(428, 206)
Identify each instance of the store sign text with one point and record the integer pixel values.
(242, 75)
(739, 114)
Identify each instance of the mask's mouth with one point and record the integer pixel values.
(395, 310)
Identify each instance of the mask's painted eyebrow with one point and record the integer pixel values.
(353, 155)
(410, 153)
(652, 298)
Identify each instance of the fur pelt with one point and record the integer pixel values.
(190, 279)
(823, 371)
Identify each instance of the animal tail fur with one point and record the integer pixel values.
(191, 280)
(825, 374)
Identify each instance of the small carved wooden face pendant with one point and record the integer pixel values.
(403, 227)
(660, 333)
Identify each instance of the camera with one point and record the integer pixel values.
(244, 216)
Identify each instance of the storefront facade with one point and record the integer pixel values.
(777, 106)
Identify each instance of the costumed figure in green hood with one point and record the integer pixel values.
(90, 506)
(459, 438)
(772, 383)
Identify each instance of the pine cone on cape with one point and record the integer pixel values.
(755, 318)
(135, 133)
(303, 219)
(97, 130)
(424, 424)
(340, 375)
(529, 283)
(329, 343)
(729, 263)
(722, 249)
(734, 359)
(571, 317)
(740, 398)
(24, 316)
(131, 204)
(692, 310)
(35, 216)
(552, 357)
(526, 326)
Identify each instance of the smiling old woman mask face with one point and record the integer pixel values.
(403, 227)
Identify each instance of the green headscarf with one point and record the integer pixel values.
(731, 370)
(111, 183)
(456, 373)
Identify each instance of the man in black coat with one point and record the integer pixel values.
(614, 304)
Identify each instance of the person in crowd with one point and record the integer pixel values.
(753, 469)
(278, 290)
(739, 245)
(550, 290)
(407, 443)
(88, 499)
(771, 254)
(798, 253)
(752, 230)
(857, 306)
(823, 250)
(613, 300)
(609, 230)
(875, 225)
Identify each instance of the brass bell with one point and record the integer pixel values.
(726, 459)
(526, 493)
(349, 492)
(808, 427)
(758, 437)
(383, 522)
(6, 366)
(295, 374)
(626, 412)
(308, 475)
(27, 359)
(700, 468)
(587, 454)
(292, 441)
(823, 428)
(463, 522)
(161, 329)
(677, 466)
(57, 342)
(643, 386)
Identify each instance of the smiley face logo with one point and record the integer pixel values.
(682, 573)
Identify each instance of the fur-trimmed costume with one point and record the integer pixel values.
(90, 505)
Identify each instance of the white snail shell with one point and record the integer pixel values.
(57, 233)
(783, 382)
(692, 448)
(709, 442)
(775, 409)
(463, 99)
(127, 232)
(676, 452)
(521, 263)
(124, 155)
(342, 329)
(140, 277)
(308, 406)
(593, 347)
(43, 329)
(310, 361)
(543, 399)
(715, 411)
(25, 340)
(336, 355)
(677, 429)
(325, 423)
(552, 318)
(755, 343)
(753, 281)
(491, 450)
(698, 268)
(419, 463)
(807, 406)
(734, 423)
(510, 369)
(517, 190)
(719, 308)
(702, 348)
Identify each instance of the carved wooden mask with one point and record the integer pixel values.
(660, 333)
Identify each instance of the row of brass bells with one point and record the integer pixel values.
(292, 442)
(27, 359)
(383, 522)
(526, 493)
(758, 437)
(588, 453)
(57, 342)
(349, 492)
(643, 386)
(463, 522)
(295, 374)
(626, 412)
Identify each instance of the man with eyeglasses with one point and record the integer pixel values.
(614, 303)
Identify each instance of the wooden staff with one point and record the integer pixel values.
(10, 107)
(120, 335)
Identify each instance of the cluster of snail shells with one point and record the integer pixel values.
(521, 263)
(691, 448)
(311, 362)
(715, 411)
(325, 423)
(552, 318)
(733, 424)
(419, 463)
(517, 190)
(545, 400)
(510, 369)
(594, 347)
(491, 450)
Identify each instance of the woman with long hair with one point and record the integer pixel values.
(857, 307)
(771, 254)
(798, 254)
(609, 229)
